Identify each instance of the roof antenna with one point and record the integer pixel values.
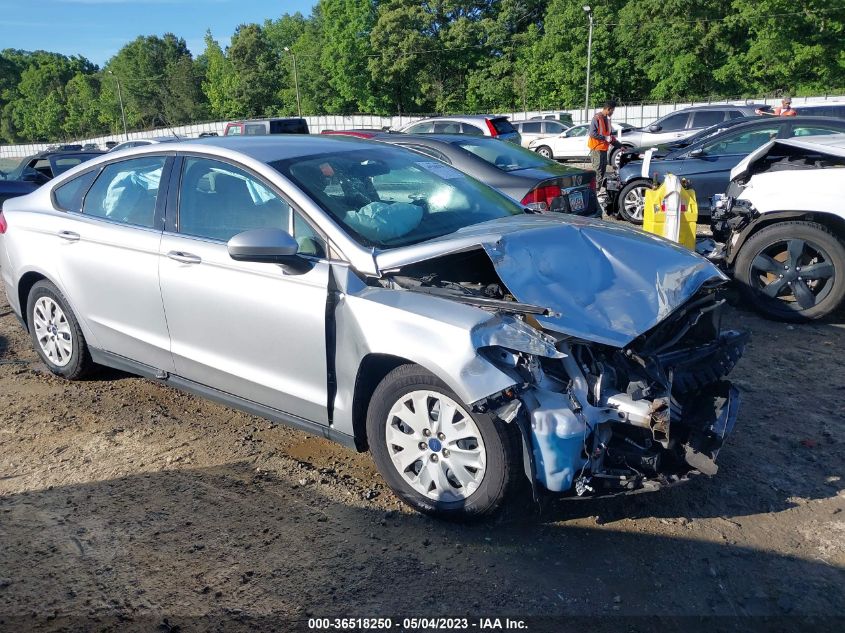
(169, 127)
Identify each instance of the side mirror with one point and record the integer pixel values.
(697, 153)
(268, 246)
(654, 127)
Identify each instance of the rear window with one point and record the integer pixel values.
(505, 156)
(502, 126)
(289, 126)
(69, 196)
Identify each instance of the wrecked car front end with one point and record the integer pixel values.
(612, 340)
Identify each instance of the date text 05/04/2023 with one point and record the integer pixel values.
(417, 624)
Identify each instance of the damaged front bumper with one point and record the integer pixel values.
(598, 420)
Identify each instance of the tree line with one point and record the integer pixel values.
(408, 56)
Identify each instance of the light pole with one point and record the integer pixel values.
(295, 80)
(589, 13)
(122, 113)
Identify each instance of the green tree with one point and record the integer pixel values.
(346, 49)
(256, 69)
(157, 84)
(82, 106)
(219, 82)
(786, 47)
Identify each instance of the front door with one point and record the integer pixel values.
(252, 330)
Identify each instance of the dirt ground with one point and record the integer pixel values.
(126, 505)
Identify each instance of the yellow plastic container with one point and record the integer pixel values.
(671, 211)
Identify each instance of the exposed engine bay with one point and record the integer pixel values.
(598, 419)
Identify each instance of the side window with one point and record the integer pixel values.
(126, 191)
(809, 130)
(581, 130)
(473, 130)
(743, 142)
(421, 128)
(310, 242)
(707, 118)
(428, 151)
(69, 195)
(217, 201)
(674, 123)
(733, 114)
(234, 130)
(553, 127)
(531, 128)
(447, 127)
(255, 129)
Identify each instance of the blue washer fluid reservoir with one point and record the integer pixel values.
(557, 435)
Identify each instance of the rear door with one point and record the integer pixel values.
(108, 256)
(248, 329)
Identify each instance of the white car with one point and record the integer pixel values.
(532, 130)
(783, 225)
(572, 144)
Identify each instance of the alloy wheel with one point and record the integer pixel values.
(634, 203)
(796, 271)
(435, 445)
(52, 331)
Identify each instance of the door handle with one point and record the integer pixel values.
(70, 236)
(185, 258)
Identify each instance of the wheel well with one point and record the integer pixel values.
(371, 372)
(24, 286)
(828, 220)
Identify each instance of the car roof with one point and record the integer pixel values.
(718, 106)
(829, 143)
(271, 147)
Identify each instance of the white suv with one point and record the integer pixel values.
(783, 225)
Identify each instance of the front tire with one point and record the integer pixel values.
(792, 271)
(55, 332)
(616, 156)
(435, 453)
(631, 201)
(545, 151)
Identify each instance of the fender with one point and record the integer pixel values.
(761, 220)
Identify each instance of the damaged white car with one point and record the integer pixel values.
(782, 226)
(386, 301)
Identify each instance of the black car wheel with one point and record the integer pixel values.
(55, 332)
(616, 155)
(631, 201)
(545, 151)
(793, 271)
(435, 452)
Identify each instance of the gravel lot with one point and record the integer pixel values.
(126, 505)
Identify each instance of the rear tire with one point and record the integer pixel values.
(460, 467)
(545, 151)
(792, 271)
(55, 332)
(631, 201)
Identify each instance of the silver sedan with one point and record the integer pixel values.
(374, 296)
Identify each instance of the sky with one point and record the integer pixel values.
(97, 29)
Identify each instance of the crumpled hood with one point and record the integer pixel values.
(606, 282)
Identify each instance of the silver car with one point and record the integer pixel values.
(379, 298)
(472, 124)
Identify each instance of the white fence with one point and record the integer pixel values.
(637, 115)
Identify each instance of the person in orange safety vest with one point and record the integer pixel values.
(600, 139)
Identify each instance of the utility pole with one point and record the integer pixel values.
(295, 80)
(122, 113)
(589, 13)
